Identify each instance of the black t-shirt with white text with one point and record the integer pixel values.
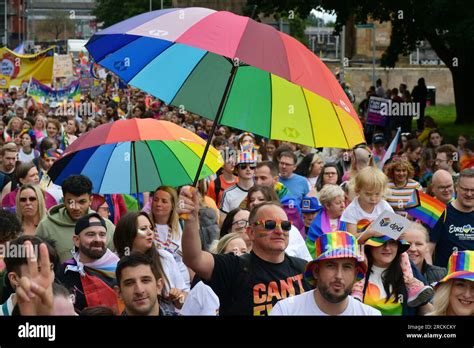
(456, 233)
(248, 285)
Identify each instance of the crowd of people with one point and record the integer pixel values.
(280, 229)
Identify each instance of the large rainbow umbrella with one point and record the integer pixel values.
(136, 155)
(232, 70)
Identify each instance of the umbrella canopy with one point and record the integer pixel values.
(220, 65)
(136, 155)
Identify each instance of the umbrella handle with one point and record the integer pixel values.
(185, 216)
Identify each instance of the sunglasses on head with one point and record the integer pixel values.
(245, 165)
(24, 199)
(272, 224)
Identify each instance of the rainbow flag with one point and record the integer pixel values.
(45, 94)
(425, 208)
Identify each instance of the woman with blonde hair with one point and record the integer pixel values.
(454, 293)
(231, 242)
(30, 207)
(168, 231)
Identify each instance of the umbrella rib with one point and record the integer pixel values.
(106, 166)
(271, 106)
(118, 48)
(156, 167)
(340, 125)
(309, 115)
(189, 75)
(144, 66)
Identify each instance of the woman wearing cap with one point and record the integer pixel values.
(134, 232)
(386, 286)
(400, 186)
(332, 200)
(455, 293)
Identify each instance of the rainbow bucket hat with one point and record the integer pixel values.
(460, 266)
(336, 245)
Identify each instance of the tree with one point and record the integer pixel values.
(448, 25)
(113, 11)
(57, 23)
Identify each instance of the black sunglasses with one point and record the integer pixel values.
(24, 199)
(272, 224)
(243, 166)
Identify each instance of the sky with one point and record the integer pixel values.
(324, 15)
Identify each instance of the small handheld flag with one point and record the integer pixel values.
(425, 208)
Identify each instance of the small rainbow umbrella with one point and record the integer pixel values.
(136, 155)
(232, 70)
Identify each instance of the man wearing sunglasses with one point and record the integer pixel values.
(250, 284)
(455, 229)
(234, 195)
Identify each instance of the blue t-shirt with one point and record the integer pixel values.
(298, 186)
(454, 233)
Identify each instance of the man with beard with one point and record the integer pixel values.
(59, 223)
(139, 285)
(90, 274)
(337, 266)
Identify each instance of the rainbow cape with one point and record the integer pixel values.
(425, 208)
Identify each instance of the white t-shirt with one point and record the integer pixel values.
(297, 246)
(305, 304)
(201, 300)
(24, 157)
(232, 197)
(354, 214)
(161, 232)
(171, 270)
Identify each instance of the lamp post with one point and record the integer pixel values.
(371, 26)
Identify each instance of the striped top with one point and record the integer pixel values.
(398, 197)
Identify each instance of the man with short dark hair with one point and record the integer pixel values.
(90, 274)
(297, 184)
(9, 157)
(249, 284)
(447, 158)
(139, 286)
(455, 229)
(59, 223)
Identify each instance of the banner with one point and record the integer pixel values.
(375, 115)
(62, 65)
(19, 68)
(44, 94)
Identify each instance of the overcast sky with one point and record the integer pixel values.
(324, 15)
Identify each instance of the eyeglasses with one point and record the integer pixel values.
(241, 223)
(243, 166)
(445, 188)
(24, 199)
(283, 164)
(272, 224)
(466, 189)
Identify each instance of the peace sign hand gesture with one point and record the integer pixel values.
(35, 291)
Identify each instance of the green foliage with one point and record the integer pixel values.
(114, 11)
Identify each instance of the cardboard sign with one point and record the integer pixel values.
(390, 224)
(62, 65)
